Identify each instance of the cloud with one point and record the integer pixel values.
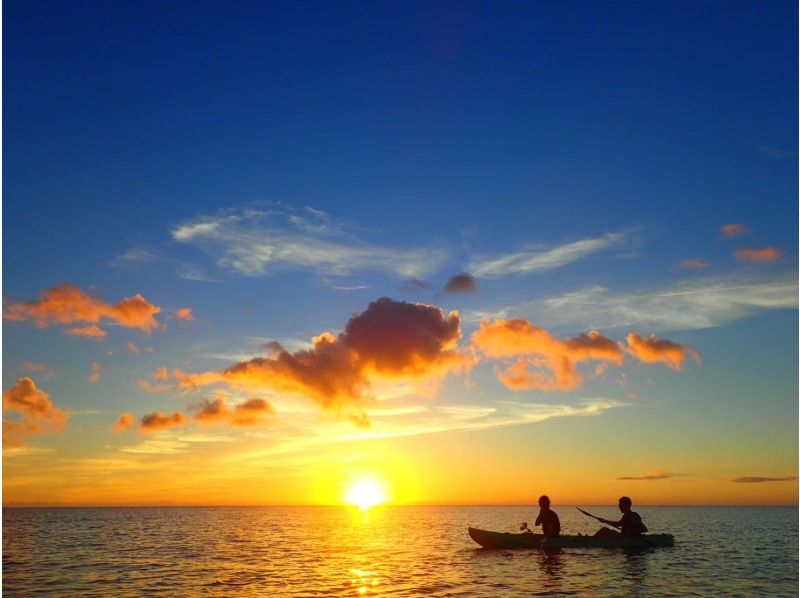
(148, 386)
(527, 262)
(543, 362)
(655, 350)
(760, 479)
(37, 368)
(93, 332)
(97, 367)
(754, 255)
(161, 374)
(389, 340)
(733, 230)
(461, 283)
(155, 421)
(249, 413)
(38, 412)
(184, 313)
(414, 285)
(124, 422)
(660, 475)
(211, 411)
(688, 305)
(692, 264)
(133, 349)
(138, 258)
(67, 304)
(258, 242)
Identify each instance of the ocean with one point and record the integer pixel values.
(386, 551)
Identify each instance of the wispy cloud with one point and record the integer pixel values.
(692, 264)
(689, 305)
(760, 479)
(758, 255)
(97, 368)
(37, 368)
(659, 475)
(734, 229)
(260, 241)
(542, 260)
(140, 258)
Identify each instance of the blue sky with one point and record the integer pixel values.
(276, 168)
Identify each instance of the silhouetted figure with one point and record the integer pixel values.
(547, 518)
(630, 524)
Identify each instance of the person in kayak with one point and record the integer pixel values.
(547, 518)
(630, 524)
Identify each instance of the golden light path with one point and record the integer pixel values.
(365, 493)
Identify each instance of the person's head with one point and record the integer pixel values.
(624, 504)
(544, 502)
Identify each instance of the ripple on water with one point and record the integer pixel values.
(402, 551)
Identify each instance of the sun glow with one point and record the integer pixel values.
(365, 493)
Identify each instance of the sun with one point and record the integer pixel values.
(365, 493)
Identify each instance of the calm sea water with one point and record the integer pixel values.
(393, 551)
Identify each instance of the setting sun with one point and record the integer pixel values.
(365, 493)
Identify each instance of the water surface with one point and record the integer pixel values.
(392, 551)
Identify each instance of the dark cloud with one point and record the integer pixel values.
(664, 475)
(158, 421)
(759, 479)
(461, 283)
(390, 339)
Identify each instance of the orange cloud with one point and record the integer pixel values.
(124, 422)
(655, 350)
(211, 411)
(38, 412)
(37, 368)
(67, 304)
(764, 255)
(543, 362)
(133, 349)
(161, 374)
(184, 313)
(245, 414)
(733, 230)
(693, 264)
(390, 339)
(97, 367)
(148, 386)
(155, 421)
(250, 412)
(93, 332)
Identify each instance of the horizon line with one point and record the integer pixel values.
(339, 505)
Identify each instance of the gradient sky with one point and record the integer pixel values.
(553, 245)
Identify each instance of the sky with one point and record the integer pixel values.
(468, 252)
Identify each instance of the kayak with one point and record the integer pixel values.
(505, 540)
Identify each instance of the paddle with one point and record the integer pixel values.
(595, 516)
(601, 520)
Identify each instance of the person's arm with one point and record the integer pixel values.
(539, 519)
(609, 522)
